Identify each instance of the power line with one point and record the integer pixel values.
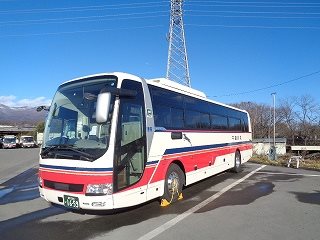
(258, 2)
(253, 6)
(193, 13)
(81, 31)
(253, 16)
(88, 8)
(89, 20)
(252, 26)
(255, 12)
(82, 19)
(270, 86)
(200, 13)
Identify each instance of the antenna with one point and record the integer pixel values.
(177, 66)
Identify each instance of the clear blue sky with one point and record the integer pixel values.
(233, 46)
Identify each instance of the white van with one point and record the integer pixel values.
(9, 141)
(27, 142)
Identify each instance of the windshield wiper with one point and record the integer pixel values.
(83, 155)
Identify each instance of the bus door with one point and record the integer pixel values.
(130, 149)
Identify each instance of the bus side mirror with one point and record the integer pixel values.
(103, 106)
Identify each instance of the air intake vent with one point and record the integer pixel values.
(63, 186)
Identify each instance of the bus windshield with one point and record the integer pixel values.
(71, 130)
(9, 140)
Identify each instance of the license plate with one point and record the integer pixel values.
(71, 202)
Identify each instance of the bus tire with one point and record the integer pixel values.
(237, 162)
(173, 185)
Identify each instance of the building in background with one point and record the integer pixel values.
(261, 146)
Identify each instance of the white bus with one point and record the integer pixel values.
(116, 140)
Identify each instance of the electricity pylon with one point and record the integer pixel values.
(177, 65)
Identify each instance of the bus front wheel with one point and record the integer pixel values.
(173, 185)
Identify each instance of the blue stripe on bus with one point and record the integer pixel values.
(204, 147)
(152, 162)
(77, 168)
(167, 151)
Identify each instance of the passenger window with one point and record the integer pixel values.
(177, 118)
(219, 122)
(234, 124)
(162, 116)
(197, 120)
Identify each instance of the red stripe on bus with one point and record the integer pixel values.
(72, 178)
(201, 159)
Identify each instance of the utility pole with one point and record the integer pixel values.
(272, 151)
(177, 65)
(274, 118)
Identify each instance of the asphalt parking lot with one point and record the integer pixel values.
(262, 202)
(15, 161)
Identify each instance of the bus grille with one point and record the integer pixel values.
(63, 186)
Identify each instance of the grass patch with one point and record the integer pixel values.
(313, 164)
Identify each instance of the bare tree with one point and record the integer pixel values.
(260, 117)
(308, 115)
(288, 116)
(295, 117)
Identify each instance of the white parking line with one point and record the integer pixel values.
(290, 174)
(182, 216)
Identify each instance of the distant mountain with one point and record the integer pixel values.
(20, 115)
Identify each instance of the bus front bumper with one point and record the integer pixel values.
(77, 201)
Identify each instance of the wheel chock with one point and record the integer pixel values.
(164, 203)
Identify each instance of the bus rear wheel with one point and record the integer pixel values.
(237, 162)
(173, 185)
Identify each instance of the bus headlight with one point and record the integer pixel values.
(40, 181)
(99, 189)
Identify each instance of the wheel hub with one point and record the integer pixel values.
(173, 182)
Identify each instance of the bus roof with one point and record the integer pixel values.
(160, 82)
(179, 88)
(176, 86)
(118, 74)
